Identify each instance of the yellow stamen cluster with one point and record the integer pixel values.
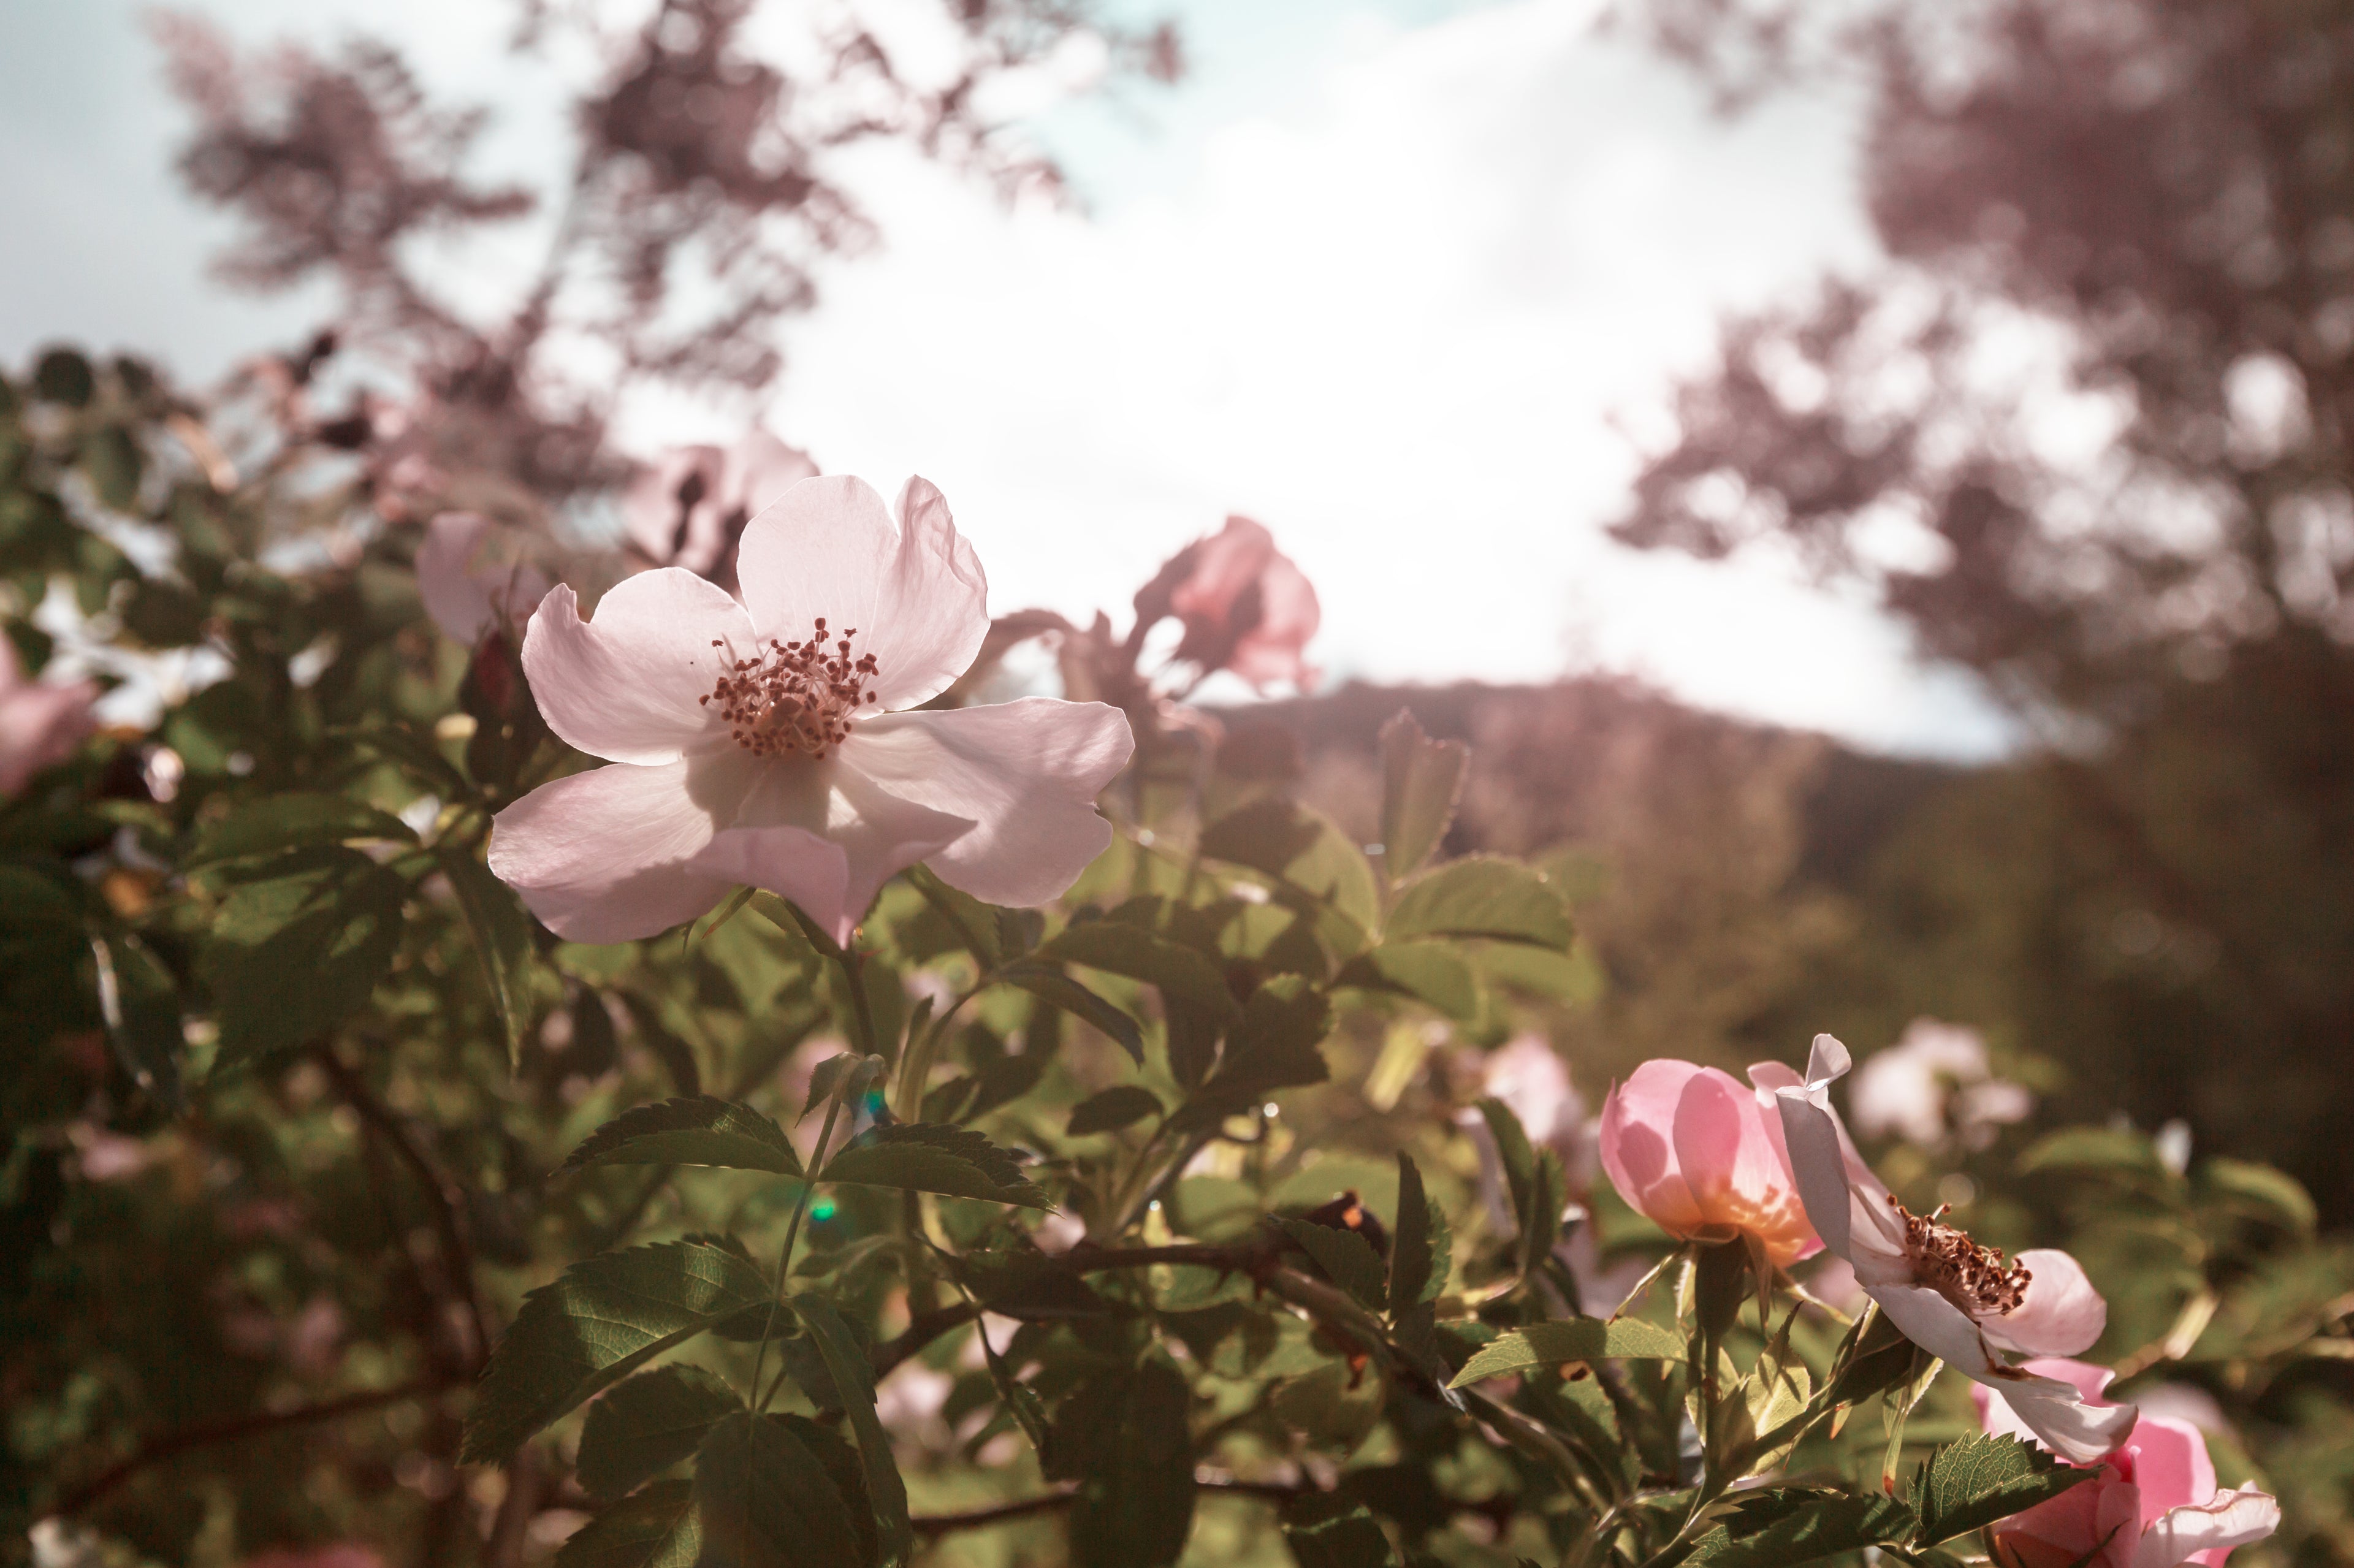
(794, 697)
(1971, 1277)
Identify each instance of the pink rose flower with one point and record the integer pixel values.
(2154, 1504)
(1246, 606)
(1956, 1299)
(468, 588)
(766, 742)
(41, 723)
(1694, 1151)
(690, 508)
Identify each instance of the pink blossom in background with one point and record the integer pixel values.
(1947, 1294)
(2154, 1503)
(1696, 1152)
(339, 1554)
(1246, 606)
(470, 580)
(1934, 1085)
(690, 507)
(1529, 1075)
(766, 742)
(41, 723)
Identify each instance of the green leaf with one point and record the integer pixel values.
(930, 1157)
(1418, 1252)
(503, 944)
(1314, 861)
(1346, 1255)
(1273, 1047)
(1575, 977)
(1515, 1155)
(1334, 1403)
(1055, 989)
(765, 1500)
(1421, 780)
(2260, 1192)
(2094, 1149)
(1500, 899)
(293, 821)
(1548, 1196)
(1434, 972)
(975, 922)
(646, 1423)
(853, 1379)
(1179, 973)
(1789, 1525)
(294, 952)
(1969, 1485)
(1328, 1530)
(695, 1129)
(598, 1323)
(1123, 1105)
(656, 1528)
(1124, 1436)
(845, 1077)
(1571, 1339)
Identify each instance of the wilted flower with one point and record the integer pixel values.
(764, 742)
(468, 588)
(41, 722)
(1956, 1299)
(1696, 1151)
(1244, 605)
(1934, 1084)
(690, 508)
(2154, 1503)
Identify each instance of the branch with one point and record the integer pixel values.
(206, 1434)
(921, 1330)
(1045, 1503)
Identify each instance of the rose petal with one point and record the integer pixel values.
(2234, 1518)
(1924, 1315)
(759, 470)
(603, 856)
(458, 604)
(1733, 1172)
(2060, 1315)
(663, 523)
(41, 724)
(915, 593)
(1999, 1420)
(2099, 1517)
(2063, 1420)
(1026, 773)
(1288, 616)
(793, 862)
(2171, 1464)
(628, 685)
(878, 833)
(1638, 1151)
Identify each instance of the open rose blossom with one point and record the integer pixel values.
(691, 506)
(41, 722)
(2154, 1504)
(1698, 1152)
(1246, 606)
(1956, 1299)
(764, 742)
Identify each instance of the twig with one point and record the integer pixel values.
(1045, 1503)
(921, 1330)
(207, 1434)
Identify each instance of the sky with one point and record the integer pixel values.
(1406, 280)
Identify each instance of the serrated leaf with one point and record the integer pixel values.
(1334, 1404)
(853, 1379)
(1274, 1047)
(1433, 972)
(646, 1423)
(1498, 899)
(503, 944)
(1329, 1530)
(1516, 1156)
(1969, 1485)
(1571, 1339)
(1179, 973)
(1768, 1531)
(293, 952)
(1055, 989)
(655, 1529)
(929, 1157)
(1314, 861)
(1418, 1251)
(765, 1500)
(974, 923)
(1122, 1105)
(1421, 780)
(1346, 1255)
(844, 1076)
(602, 1321)
(694, 1130)
(297, 820)
(1123, 1435)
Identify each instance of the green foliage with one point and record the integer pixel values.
(762, 1499)
(695, 1129)
(1969, 1485)
(658, 1528)
(1325, 1529)
(645, 1424)
(1422, 779)
(298, 945)
(923, 1158)
(1122, 1436)
(1570, 1340)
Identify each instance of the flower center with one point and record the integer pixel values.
(1970, 1276)
(794, 697)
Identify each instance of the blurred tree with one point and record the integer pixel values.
(2089, 431)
